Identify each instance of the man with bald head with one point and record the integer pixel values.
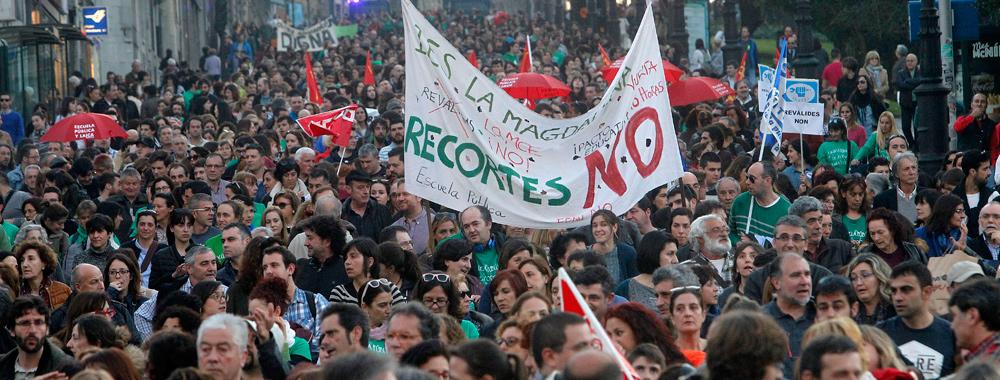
(907, 80)
(987, 242)
(592, 365)
(88, 278)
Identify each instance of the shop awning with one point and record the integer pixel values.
(66, 32)
(28, 35)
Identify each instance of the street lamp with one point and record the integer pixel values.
(805, 58)
(732, 52)
(678, 35)
(932, 125)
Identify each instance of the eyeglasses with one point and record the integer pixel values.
(787, 237)
(374, 284)
(751, 178)
(117, 273)
(219, 296)
(282, 205)
(861, 275)
(509, 342)
(679, 288)
(439, 277)
(465, 294)
(436, 301)
(30, 323)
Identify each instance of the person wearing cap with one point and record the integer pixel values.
(367, 215)
(961, 273)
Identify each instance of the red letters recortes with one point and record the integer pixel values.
(610, 174)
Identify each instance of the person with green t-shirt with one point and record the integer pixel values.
(344, 329)
(476, 224)
(755, 212)
(852, 206)
(838, 150)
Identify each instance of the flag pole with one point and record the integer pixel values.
(802, 157)
(341, 160)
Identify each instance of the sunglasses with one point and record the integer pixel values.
(439, 277)
(751, 178)
(374, 284)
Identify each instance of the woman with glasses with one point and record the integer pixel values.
(288, 204)
(852, 208)
(123, 281)
(630, 324)
(656, 249)
(621, 258)
(249, 274)
(168, 271)
(436, 291)
(273, 220)
(837, 150)
(687, 312)
(361, 266)
(512, 340)
(159, 185)
(889, 239)
(945, 231)
(506, 287)
(213, 298)
(869, 276)
(399, 267)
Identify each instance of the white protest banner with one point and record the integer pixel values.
(764, 83)
(313, 38)
(803, 111)
(468, 143)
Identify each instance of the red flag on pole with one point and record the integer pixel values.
(369, 72)
(741, 72)
(337, 123)
(573, 302)
(314, 95)
(473, 59)
(604, 56)
(526, 57)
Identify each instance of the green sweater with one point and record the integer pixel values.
(871, 149)
(763, 219)
(836, 153)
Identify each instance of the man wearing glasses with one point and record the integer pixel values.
(759, 208)
(13, 123)
(35, 355)
(791, 235)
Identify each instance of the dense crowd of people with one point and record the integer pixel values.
(218, 240)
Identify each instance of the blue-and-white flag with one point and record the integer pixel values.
(771, 124)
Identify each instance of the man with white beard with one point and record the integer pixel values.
(987, 243)
(709, 239)
(791, 235)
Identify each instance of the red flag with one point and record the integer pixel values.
(369, 72)
(741, 72)
(604, 56)
(573, 302)
(314, 95)
(337, 123)
(473, 59)
(526, 57)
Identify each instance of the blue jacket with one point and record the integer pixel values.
(13, 124)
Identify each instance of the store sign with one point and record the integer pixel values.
(95, 21)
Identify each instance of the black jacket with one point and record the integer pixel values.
(912, 252)
(978, 245)
(906, 83)
(888, 198)
(834, 254)
(165, 262)
(972, 211)
(53, 359)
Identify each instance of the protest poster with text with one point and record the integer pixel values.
(803, 111)
(467, 142)
(312, 39)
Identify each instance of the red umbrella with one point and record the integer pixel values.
(533, 86)
(673, 73)
(697, 89)
(84, 126)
